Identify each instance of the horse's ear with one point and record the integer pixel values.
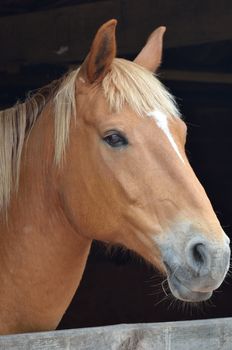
(151, 55)
(102, 53)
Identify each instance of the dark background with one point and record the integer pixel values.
(40, 40)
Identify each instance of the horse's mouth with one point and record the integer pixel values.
(180, 291)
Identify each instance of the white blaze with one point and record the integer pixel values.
(162, 122)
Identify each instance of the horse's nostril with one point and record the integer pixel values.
(198, 256)
(198, 252)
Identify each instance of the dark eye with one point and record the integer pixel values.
(115, 140)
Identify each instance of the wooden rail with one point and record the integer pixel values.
(214, 334)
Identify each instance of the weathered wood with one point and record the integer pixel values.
(214, 334)
(64, 34)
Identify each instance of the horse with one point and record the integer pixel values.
(100, 155)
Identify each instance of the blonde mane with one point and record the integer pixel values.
(126, 83)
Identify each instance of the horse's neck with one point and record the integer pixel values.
(42, 258)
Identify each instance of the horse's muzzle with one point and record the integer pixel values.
(198, 271)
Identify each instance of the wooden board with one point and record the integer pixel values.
(214, 334)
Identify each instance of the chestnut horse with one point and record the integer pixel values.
(100, 155)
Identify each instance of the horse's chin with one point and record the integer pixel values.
(181, 292)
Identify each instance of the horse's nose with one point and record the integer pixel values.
(201, 257)
(198, 268)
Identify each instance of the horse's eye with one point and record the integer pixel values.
(115, 140)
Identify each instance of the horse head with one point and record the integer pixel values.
(126, 178)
